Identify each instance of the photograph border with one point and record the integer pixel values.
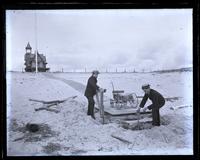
(30, 5)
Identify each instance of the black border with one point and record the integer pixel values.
(125, 4)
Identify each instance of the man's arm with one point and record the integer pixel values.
(93, 83)
(155, 103)
(144, 100)
(150, 107)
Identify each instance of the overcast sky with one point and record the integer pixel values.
(101, 39)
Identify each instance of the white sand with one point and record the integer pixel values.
(78, 134)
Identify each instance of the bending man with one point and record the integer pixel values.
(157, 102)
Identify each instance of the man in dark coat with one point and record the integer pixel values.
(157, 102)
(90, 91)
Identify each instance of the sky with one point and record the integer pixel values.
(122, 39)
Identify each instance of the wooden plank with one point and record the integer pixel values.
(18, 139)
(35, 100)
(132, 122)
(115, 112)
(47, 109)
(135, 124)
(180, 106)
(120, 138)
(117, 91)
(55, 101)
(97, 98)
(49, 105)
(171, 99)
(118, 112)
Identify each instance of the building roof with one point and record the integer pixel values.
(42, 57)
(28, 46)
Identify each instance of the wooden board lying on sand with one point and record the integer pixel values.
(117, 112)
(145, 123)
(135, 122)
(121, 139)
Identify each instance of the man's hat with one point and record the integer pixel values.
(95, 72)
(145, 86)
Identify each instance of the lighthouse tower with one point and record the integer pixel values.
(28, 49)
(27, 58)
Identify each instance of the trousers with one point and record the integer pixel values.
(91, 103)
(155, 114)
(155, 117)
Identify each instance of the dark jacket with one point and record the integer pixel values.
(91, 87)
(156, 98)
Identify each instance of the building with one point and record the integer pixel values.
(30, 61)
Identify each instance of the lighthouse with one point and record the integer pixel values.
(30, 61)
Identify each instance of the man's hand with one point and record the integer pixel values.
(102, 90)
(138, 110)
(144, 109)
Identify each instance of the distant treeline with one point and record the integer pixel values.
(188, 69)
